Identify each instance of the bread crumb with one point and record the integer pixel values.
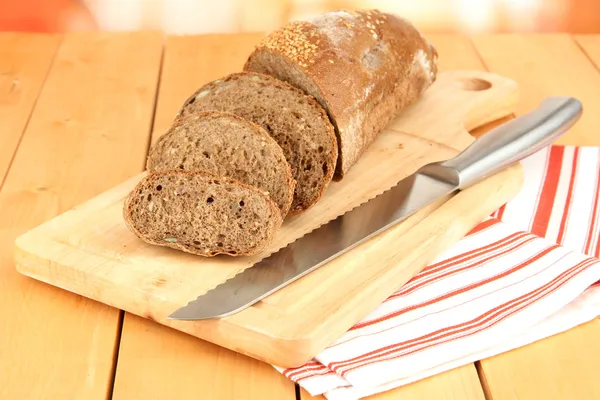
(400, 146)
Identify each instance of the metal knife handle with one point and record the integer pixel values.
(509, 142)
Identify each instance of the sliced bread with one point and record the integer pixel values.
(363, 67)
(296, 121)
(227, 145)
(201, 213)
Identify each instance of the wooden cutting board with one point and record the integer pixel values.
(88, 250)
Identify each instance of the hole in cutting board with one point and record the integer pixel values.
(483, 129)
(476, 84)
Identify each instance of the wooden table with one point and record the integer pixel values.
(77, 113)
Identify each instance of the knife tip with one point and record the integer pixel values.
(182, 315)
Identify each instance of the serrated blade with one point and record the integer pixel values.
(317, 248)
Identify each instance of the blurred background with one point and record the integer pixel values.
(226, 16)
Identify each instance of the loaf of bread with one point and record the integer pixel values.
(226, 145)
(201, 213)
(311, 99)
(363, 67)
(296, 121)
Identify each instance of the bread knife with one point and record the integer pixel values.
(487, 155)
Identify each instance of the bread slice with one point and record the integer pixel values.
(201, 213)
(227, 145)
(296, 121)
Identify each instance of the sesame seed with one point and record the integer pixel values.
(294, 41)
(331, 61)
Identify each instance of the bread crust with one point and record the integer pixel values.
(128, 212)
(362, 66)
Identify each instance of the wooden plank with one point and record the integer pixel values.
(563, 366)
(458, 384)
(190, 62)
(24, 63)
(87, 133)
(455, 52)
(156, 362)
(533, 61)
(181, 366)
(591, 47)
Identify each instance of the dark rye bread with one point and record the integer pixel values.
(201, 213)
(296, 121)
(363, 67)
(227, 145)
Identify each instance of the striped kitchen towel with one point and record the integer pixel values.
(560, 198)
(528, 272)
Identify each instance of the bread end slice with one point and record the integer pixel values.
(201, 213)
